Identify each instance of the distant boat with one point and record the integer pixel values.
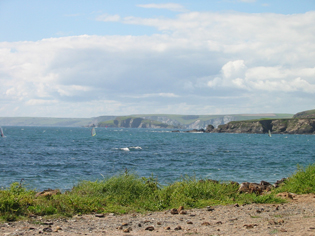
(93, 132)
(2, 134)
(269, 133)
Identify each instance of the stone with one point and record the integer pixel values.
(150, 228)
(174, 211)
(209, 208)
(189, 222)
(182, 212)
(48, 229)
(127, 230)
(57, 228)
(285, 195)
(99, 215)
(178, 228)
(167, 228)
(180, 208)
(205, 223)
(244, 187)
(249, 226)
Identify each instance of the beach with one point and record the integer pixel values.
(296, 217)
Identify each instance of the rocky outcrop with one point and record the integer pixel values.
(276, 126)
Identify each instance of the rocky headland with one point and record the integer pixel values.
(277, 126)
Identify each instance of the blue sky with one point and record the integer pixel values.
(91, 58)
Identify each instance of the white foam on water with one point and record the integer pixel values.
(125, 149)
(138, 148)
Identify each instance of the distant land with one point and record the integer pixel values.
(139, 121)
(300, 123)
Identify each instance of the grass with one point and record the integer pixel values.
(301, 182)
(127, 192)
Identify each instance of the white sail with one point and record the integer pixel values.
(269, 133)
(1, 131)
(93, 132)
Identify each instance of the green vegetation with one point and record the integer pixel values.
(305, 114)
(122, 194)
(301, 182)
(128, 192)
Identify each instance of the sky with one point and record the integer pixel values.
(78, 58)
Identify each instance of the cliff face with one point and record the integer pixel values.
(196, 124)
(134, 122)
(277, 126)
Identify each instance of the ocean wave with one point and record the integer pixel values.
(137, 148)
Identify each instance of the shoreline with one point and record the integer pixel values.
(293, 218)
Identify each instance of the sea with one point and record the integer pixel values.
(61, 157)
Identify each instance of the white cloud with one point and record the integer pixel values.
(108, 18)
(168, 6)
(214, 60)
(277, 79)
(247, 1)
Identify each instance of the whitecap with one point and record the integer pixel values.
(137, 147)
(125, 149)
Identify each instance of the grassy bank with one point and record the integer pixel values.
(128, 192)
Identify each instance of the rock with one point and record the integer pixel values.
(209, 129)
(99, 215)
(48, 193)
(205, 223)
(150, 228)
(178, 228)
(183, 212)
(189, 222)
(249, 226)
(47, 223)
(255, 188)
(209, 208)
(278, 183)
(236, 205)
(127, 230)
(180, 208)
(244, 187)
(174, 211)
(167, 228)
(48, 229)
(159, 223)
(285, 195)
(57, 228)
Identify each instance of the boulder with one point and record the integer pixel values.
(48, 193)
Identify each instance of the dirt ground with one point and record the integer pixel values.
(296, 217)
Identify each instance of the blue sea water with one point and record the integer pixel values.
(50, 157)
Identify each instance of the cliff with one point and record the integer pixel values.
(276, 126)
(305, 114)
(134, 122)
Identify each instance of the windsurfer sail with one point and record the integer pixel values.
(1, 130)
(93, 132)
(269, 133)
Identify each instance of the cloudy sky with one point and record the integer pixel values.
(77, 58)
